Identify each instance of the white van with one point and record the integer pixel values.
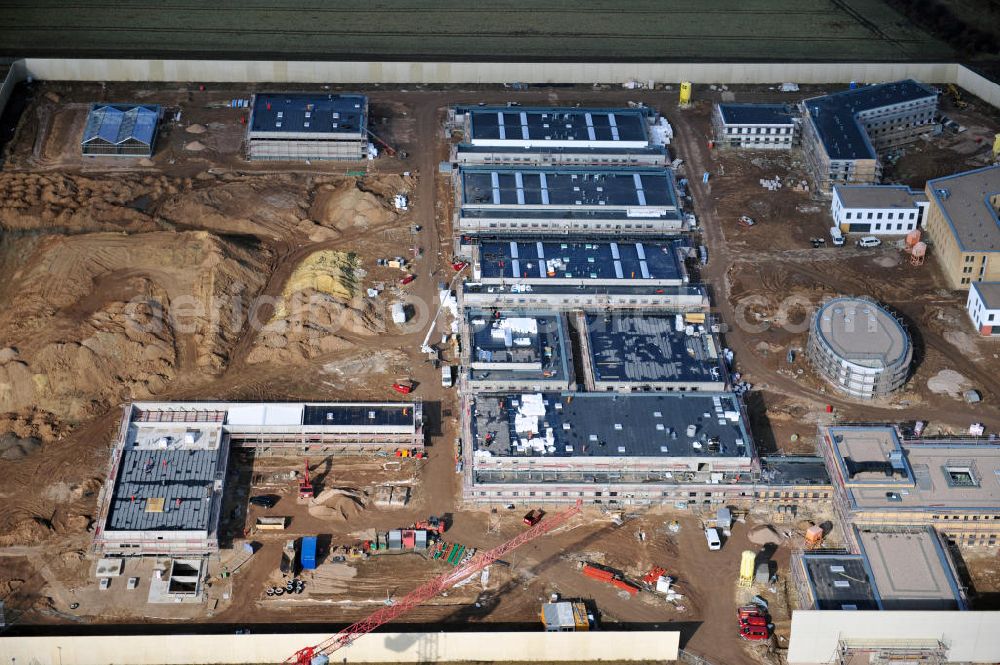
(869, 241)
(836, 236)
(712, 536)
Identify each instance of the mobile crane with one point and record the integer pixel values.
(319, 653)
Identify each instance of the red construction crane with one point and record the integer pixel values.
(431, 589)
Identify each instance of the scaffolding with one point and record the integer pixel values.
(891, 652)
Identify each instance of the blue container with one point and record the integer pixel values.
(307, 557)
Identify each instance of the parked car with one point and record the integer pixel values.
(836, 236)
(265, 500)
(712, 536)
(869, 241)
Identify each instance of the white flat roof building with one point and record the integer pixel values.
(983, 305)
(877, 209)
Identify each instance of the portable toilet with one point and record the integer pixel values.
(307, 557)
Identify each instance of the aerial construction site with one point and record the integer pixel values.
(295, 367)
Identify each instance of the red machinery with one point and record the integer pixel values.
(403, 388)
(609, 577)
(305, 486)
(429, 590)
(458, 266)
(407, 279)
(432, 524)
(754, 625)
(654, 574)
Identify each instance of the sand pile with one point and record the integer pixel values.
(319, 311)
(339, 504)
(29, 531)
(764, 534)
(195, 129)
(194, 146)
(56, 202)
(347, 207)
(94, 324)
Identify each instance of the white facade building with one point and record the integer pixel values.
(877, 209)
(983, 305)
(755, 126)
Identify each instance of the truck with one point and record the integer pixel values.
(398, 313)
(712, 536)
(446, 379)
(837, 236)
(307, 555)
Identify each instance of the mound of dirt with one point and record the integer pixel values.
(764, 534)
(29, 531)
(95, 322)
(76, 203)
(13, 447)
(194, 146)
(195, 129)
(319, 311)
(339, 504)
(346, 206)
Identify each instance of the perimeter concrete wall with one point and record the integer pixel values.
(476, 72)
(971, 637)
(373, 648)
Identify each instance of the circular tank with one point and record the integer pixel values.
(859, 347)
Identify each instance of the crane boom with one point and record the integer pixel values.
(431, 589)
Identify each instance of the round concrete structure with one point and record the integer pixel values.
(859, 348)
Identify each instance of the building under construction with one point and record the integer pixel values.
(844, 134)
(604, 448)
(889, 568)
(165, 485)
(592, 201)
(560, 136)
(624, 351)
(287, 126)
(880, 479)
(516, 350)
(569, 273)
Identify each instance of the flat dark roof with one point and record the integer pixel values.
(835, 115)
(582, 148)
(557, 123)
(149, 484)
(579, 260)
(840, 581)
(757, 114)
(501, 337)
(615, 425)
(327, 114)
(559, 187)
(647, 348)
(570, 289)
(794, 470)
(358, 414)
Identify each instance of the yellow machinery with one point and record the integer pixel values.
(685, 93)
(996, 147)
(956, 96)
(565, 617)
(747, 561)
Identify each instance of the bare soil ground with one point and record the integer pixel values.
(93, 250)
